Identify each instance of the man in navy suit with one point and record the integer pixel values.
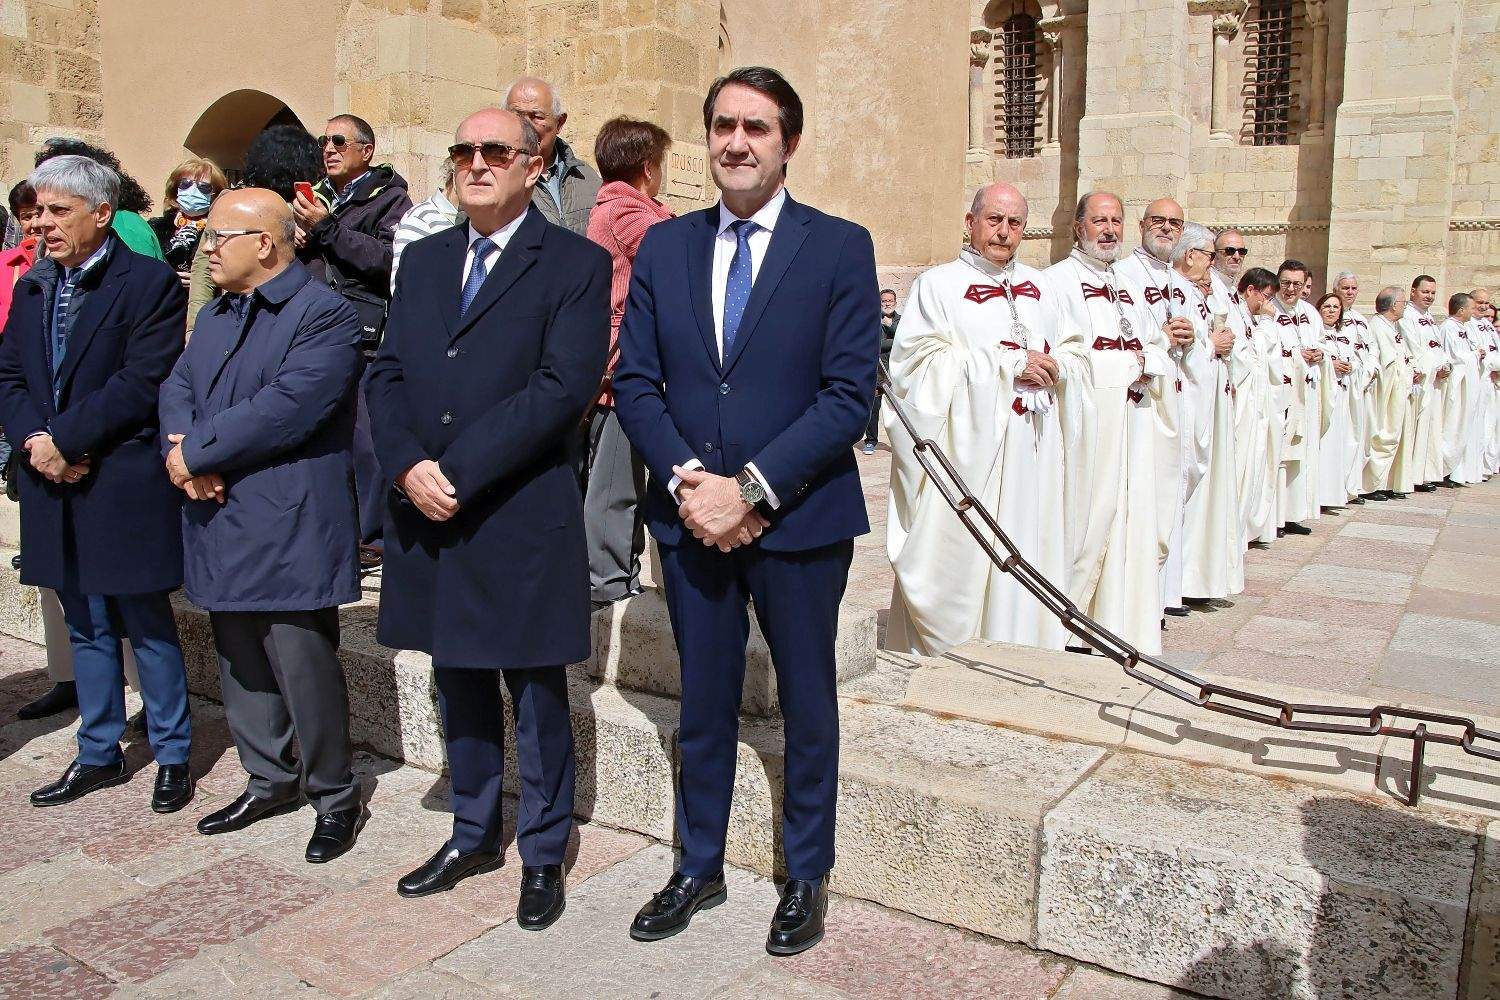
(92, 333)
(746, 374)
(495, 345)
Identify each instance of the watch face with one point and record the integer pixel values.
(751, 492)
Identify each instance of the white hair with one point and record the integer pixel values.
(80, 177)
(1342, 275)
(1194, 237)
(552, 88)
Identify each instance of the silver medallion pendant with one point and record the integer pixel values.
(1020, 333)
(1124, 327)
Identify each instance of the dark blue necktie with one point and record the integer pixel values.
(477, 273)
(737, 288)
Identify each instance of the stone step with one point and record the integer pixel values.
(1185, 873)
(10, 523)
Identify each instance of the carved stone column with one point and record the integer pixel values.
(980, 40)
(1054, 40)
(1317, 18)
(1226, 26)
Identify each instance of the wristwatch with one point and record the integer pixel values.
(751, 491)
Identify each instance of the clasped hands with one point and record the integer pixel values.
(711, 508)
(1040, 371)
(1179, 330)
(1312, 355)
(425, 486)
(206, 487)
(1444, 372)
(42, 451)
(1342, 367)
(1223, 341)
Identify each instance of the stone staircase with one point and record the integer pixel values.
(1037, 797)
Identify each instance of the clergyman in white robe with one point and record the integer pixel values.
(959, 348)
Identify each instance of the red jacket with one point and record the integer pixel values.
(14, 263)
(618, 222)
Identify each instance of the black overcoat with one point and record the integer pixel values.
(494, 398)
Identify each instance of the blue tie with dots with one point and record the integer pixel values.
(477, 273)
(737, 288)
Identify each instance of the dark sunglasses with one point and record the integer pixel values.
(185, 185)
(340, 141)
(496, 154)
(1234, 251)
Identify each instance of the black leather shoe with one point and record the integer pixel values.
(445, 869)
(135, 726)
(1293, 528)
(798, 923)
(334, 833)
(62, 696)
(174, 788)
(1357, 501)
(542, 898)
(672, 909)
(1398, 495)
(1176, 612)
(242, 812)
(1421, 488)
(78, 780)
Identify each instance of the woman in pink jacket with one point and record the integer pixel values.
(631, 155)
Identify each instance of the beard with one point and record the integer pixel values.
(1104, 255)
(1159, 248)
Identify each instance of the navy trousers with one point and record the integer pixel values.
(369, 484)
(474, 725)
(96, 625)
(796, 597)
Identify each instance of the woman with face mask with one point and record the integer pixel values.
(191, 189)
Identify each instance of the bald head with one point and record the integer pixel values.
(541, 103)
(1161, 225)
(1483, 307)
(256, 238)
(996, 221)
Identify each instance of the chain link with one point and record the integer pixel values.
(1421, 726)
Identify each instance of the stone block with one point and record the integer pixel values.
(10, 524)
(27, 62)
(634, 649)
(79, 71)
(1481, 978)
(20, 615)
(922, 802)
(601, 60)
(1239, 886)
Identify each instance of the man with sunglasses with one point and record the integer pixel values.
(498, 335)
(350, 225)
(1300, 334)
(1248, 369)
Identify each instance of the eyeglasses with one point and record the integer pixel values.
(340, 141)
(1289, 284)
(1163, 222)
(214, 238)
(496, 154)
(187, 184)
(1234, 251)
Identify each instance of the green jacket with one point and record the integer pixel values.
(579, 184)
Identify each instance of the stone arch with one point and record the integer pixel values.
(224, 131)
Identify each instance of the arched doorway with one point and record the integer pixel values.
(224, 131)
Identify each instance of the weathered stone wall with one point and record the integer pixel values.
(50, 77)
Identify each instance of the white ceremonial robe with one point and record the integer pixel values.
(1152, 284)
(1363, 391)
(1268, 513)
(1213, 550)
(1336, 446)
(1427, 350)
(1117, 537)
(1489, 339)
(1299, 327)
(1391, 401)
(1462, 409)
(953, 367)
(1251, 387)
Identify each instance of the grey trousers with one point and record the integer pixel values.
(615, 481)
(281, 678)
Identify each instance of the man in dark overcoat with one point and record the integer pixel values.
(496, 341)
(93, 331)
(258, 417)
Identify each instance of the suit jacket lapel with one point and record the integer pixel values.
(786, 240)
(515, 260)
(92, 310)
(700, 253)
(455, 250)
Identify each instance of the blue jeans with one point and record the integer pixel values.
(96, 624)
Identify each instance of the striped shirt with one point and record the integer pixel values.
(432, 216)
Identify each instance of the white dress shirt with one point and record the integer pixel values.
(725, 243)
(499, 237)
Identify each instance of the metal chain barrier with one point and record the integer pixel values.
(1418, 725)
